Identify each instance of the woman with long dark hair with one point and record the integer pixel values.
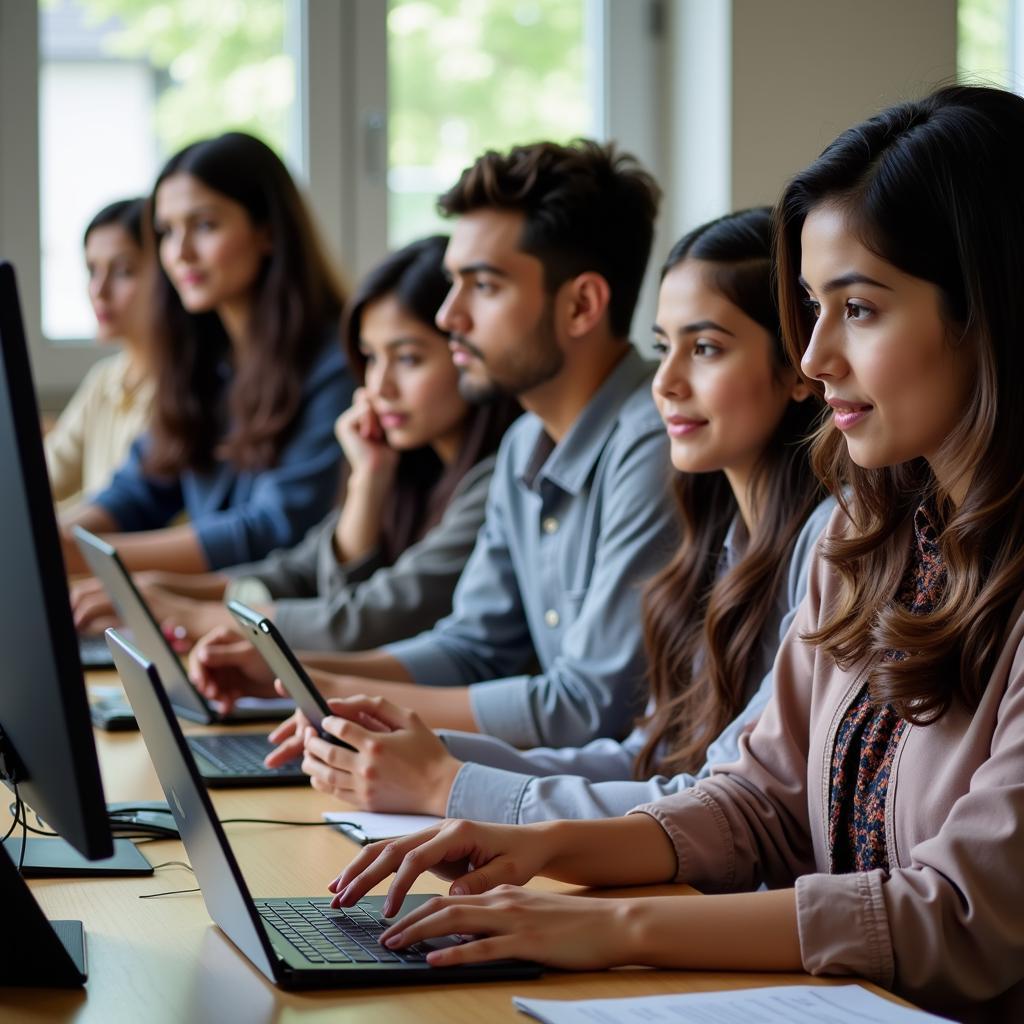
(111, 407)
(249, 373)
(736, 416)
(880, 796)
(419, 462)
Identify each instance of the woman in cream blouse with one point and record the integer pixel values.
(110, 409)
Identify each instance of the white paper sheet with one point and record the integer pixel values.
(367, 827)
(786, 1004)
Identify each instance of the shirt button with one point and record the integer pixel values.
(550, 525)
(551, 618)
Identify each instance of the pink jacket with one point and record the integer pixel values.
(945, 926)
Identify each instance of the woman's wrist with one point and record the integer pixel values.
(372, 483)
(557, 839)
(441, 787)
(633, 926)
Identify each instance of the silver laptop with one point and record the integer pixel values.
(225, 759)
(297, 942)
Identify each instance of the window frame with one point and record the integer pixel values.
(341, 51)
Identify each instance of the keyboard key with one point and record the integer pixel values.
(324, 934)
(240, 754)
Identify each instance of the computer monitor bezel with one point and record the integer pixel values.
(73, 806)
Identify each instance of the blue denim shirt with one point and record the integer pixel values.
(571, 532)
(242, 515)
(499, 783)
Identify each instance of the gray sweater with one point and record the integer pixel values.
(324, 605)
(502, 784)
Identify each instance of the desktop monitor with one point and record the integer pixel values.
(46, 740)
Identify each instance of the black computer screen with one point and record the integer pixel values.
(44, 714)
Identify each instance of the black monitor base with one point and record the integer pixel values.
(54, 858)
(34, 952)
(43, 964)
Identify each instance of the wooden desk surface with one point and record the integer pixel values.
(163, 960)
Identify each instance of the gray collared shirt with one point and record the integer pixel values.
(321, 604)
(499, 783)
(572, 532)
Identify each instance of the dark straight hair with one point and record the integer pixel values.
(296, 305)
(414, 276)
(932, 187)
(123, 213)
(702, 633)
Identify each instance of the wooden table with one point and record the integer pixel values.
(163, 960)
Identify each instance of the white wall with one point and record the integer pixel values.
(757, 88)
(803, 70)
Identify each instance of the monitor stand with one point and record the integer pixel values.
(35, 952)
(55, 858)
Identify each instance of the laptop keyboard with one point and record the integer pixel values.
(238, 755)
(94, 653)
(327, 936)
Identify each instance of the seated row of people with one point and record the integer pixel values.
(248, 376)
(848, 667)
(750, 510)
(418, 464)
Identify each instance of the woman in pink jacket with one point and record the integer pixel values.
(880, 798)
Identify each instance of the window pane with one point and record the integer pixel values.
(470, 75)
(983, 53)
(125, 83)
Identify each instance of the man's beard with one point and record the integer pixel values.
(539, 359)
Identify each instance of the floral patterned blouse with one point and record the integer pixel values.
(869, 734)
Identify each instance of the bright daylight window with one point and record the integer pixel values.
(470, 75)
(985, 50)
(123, 85)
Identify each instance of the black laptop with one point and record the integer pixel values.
(225, 759)
(297, 942)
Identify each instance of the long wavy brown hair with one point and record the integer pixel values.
(415, 276)
(703, 633)
(298, 300)
(933, 187)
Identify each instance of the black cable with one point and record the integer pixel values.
(117, 815)
(24, 828)
(172, 892)
(20, 810)
(19, 815)
(141, 809)
(43, 830)
(14, 823)
(278, 821)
